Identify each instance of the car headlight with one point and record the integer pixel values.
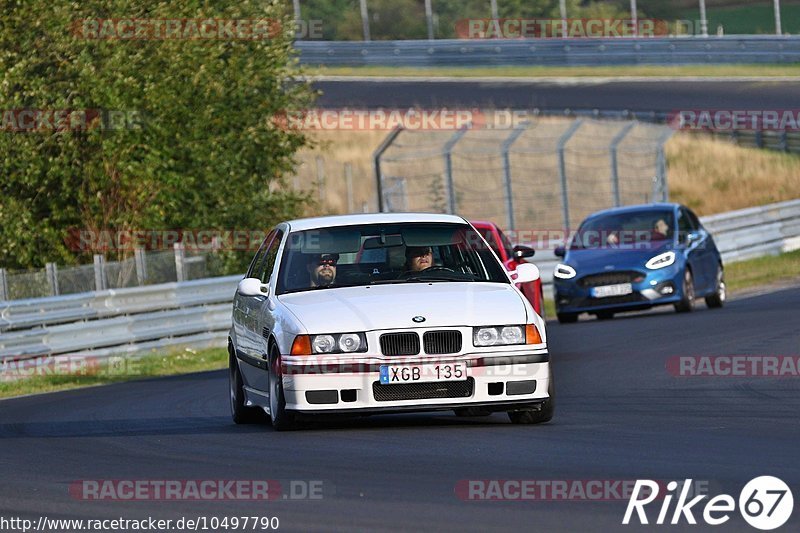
(505, 335)
(661, 261)
(339, 343)
(563, 271)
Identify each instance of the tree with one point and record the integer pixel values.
(193, 145)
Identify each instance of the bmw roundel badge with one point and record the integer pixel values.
(418, 319)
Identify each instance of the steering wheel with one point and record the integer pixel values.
(409, 273)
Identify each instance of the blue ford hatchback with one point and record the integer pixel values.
(637, 257)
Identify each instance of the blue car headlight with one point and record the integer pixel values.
(661, 261)
(563, 271)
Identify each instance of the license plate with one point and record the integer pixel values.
(398, 374)
(612, 290)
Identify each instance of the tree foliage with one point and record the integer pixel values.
(198, 149)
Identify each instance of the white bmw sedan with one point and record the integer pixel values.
(382, 313)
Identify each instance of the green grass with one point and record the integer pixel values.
(544, 71)
(749, 19)
(739, 276)
(761, 271)
(121, 369)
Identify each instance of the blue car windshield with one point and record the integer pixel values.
(348, 256)
(619, 230)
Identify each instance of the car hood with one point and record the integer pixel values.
(599, 260)
(393, 306)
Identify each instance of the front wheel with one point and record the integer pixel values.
(717, 299)
(567, 318)
(240, 412)
(545, 414)
(281, 419)
(686, 305)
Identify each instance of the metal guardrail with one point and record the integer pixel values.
(198, 313)
(556, 52)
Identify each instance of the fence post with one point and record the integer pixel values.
(615, 142)
(660, 188)
(365, 20)
(507, 172)
(321, 178)
(348, 181)
(448, 168)
(180, 262)
(51, 269)
(4, 295)
(562, 169)
(100, 276)
(376, 157)
(141, 265)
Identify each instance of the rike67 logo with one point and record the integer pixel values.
(765, 503)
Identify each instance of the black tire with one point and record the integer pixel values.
(282, 420)
(567, 318)
(686, 305)
(605, 315)
(241, 413)
(717, 299)
(545, 414)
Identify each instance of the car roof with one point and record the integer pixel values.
(634, 209)
(371, 218)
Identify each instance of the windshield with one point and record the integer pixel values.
(637, 229)
(349, 256)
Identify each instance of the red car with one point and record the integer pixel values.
(511, 256)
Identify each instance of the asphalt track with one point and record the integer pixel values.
(657, 95)
(620, 416)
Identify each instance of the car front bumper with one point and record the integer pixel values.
(659, 287)
(494, 382)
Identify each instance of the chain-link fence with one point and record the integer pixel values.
(143, 268)
(544, 174)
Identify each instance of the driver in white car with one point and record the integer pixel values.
(322, 269)
(418, 258)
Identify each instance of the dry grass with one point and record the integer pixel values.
(709, 175)
(713, 176)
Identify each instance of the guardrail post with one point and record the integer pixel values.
(615, 142)
(784, 141)
(448, 169)
(51, 269)
(562, 169)
(180, 262)
(376, 157)
(4, 295)
(141, 265)
(506, 148)
(100, 275)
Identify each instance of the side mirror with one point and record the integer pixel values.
(560, 251)
(693, 237)
(525, 273)
(522, 252)
(253, 287)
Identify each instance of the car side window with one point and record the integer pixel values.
(685, 226)
(693, 219)
(270, 257)
(255, 265)
(506, 244)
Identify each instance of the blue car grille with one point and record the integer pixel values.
(610, 278)
(611, 300)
